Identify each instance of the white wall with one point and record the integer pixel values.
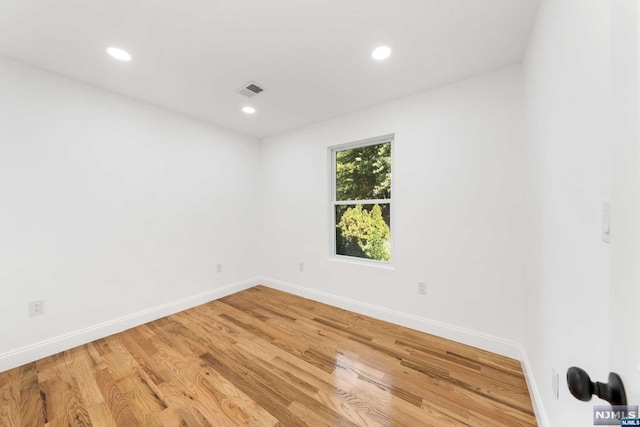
(458, 194)
(109, 207)
(566, 71)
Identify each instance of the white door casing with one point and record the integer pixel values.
(624, 347)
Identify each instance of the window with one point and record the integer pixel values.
(361, 200)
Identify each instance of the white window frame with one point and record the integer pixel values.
(333, 203)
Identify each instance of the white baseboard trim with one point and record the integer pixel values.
(455, 333)
(20, 356)
(534, 392)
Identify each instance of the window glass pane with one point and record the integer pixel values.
(364, 173)
(364, 231)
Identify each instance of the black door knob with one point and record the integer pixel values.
(582, 388)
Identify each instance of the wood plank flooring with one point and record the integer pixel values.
(266, 358)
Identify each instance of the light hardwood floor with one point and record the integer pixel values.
(263, 358)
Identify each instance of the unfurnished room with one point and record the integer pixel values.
(319, 213)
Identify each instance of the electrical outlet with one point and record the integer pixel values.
(422, 288)
(301, 266)
(555, 383)
(36, 308)
(218, 268)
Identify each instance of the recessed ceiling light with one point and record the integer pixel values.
(249, 110)
(118, 53)
(381, 52)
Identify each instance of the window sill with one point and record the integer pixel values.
(362, 262)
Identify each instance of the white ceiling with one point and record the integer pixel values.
(312, 56)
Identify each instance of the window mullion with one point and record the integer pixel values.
(362, 202)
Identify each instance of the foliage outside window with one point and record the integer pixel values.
(362, 200)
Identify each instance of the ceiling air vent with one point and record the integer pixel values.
(250, 89)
